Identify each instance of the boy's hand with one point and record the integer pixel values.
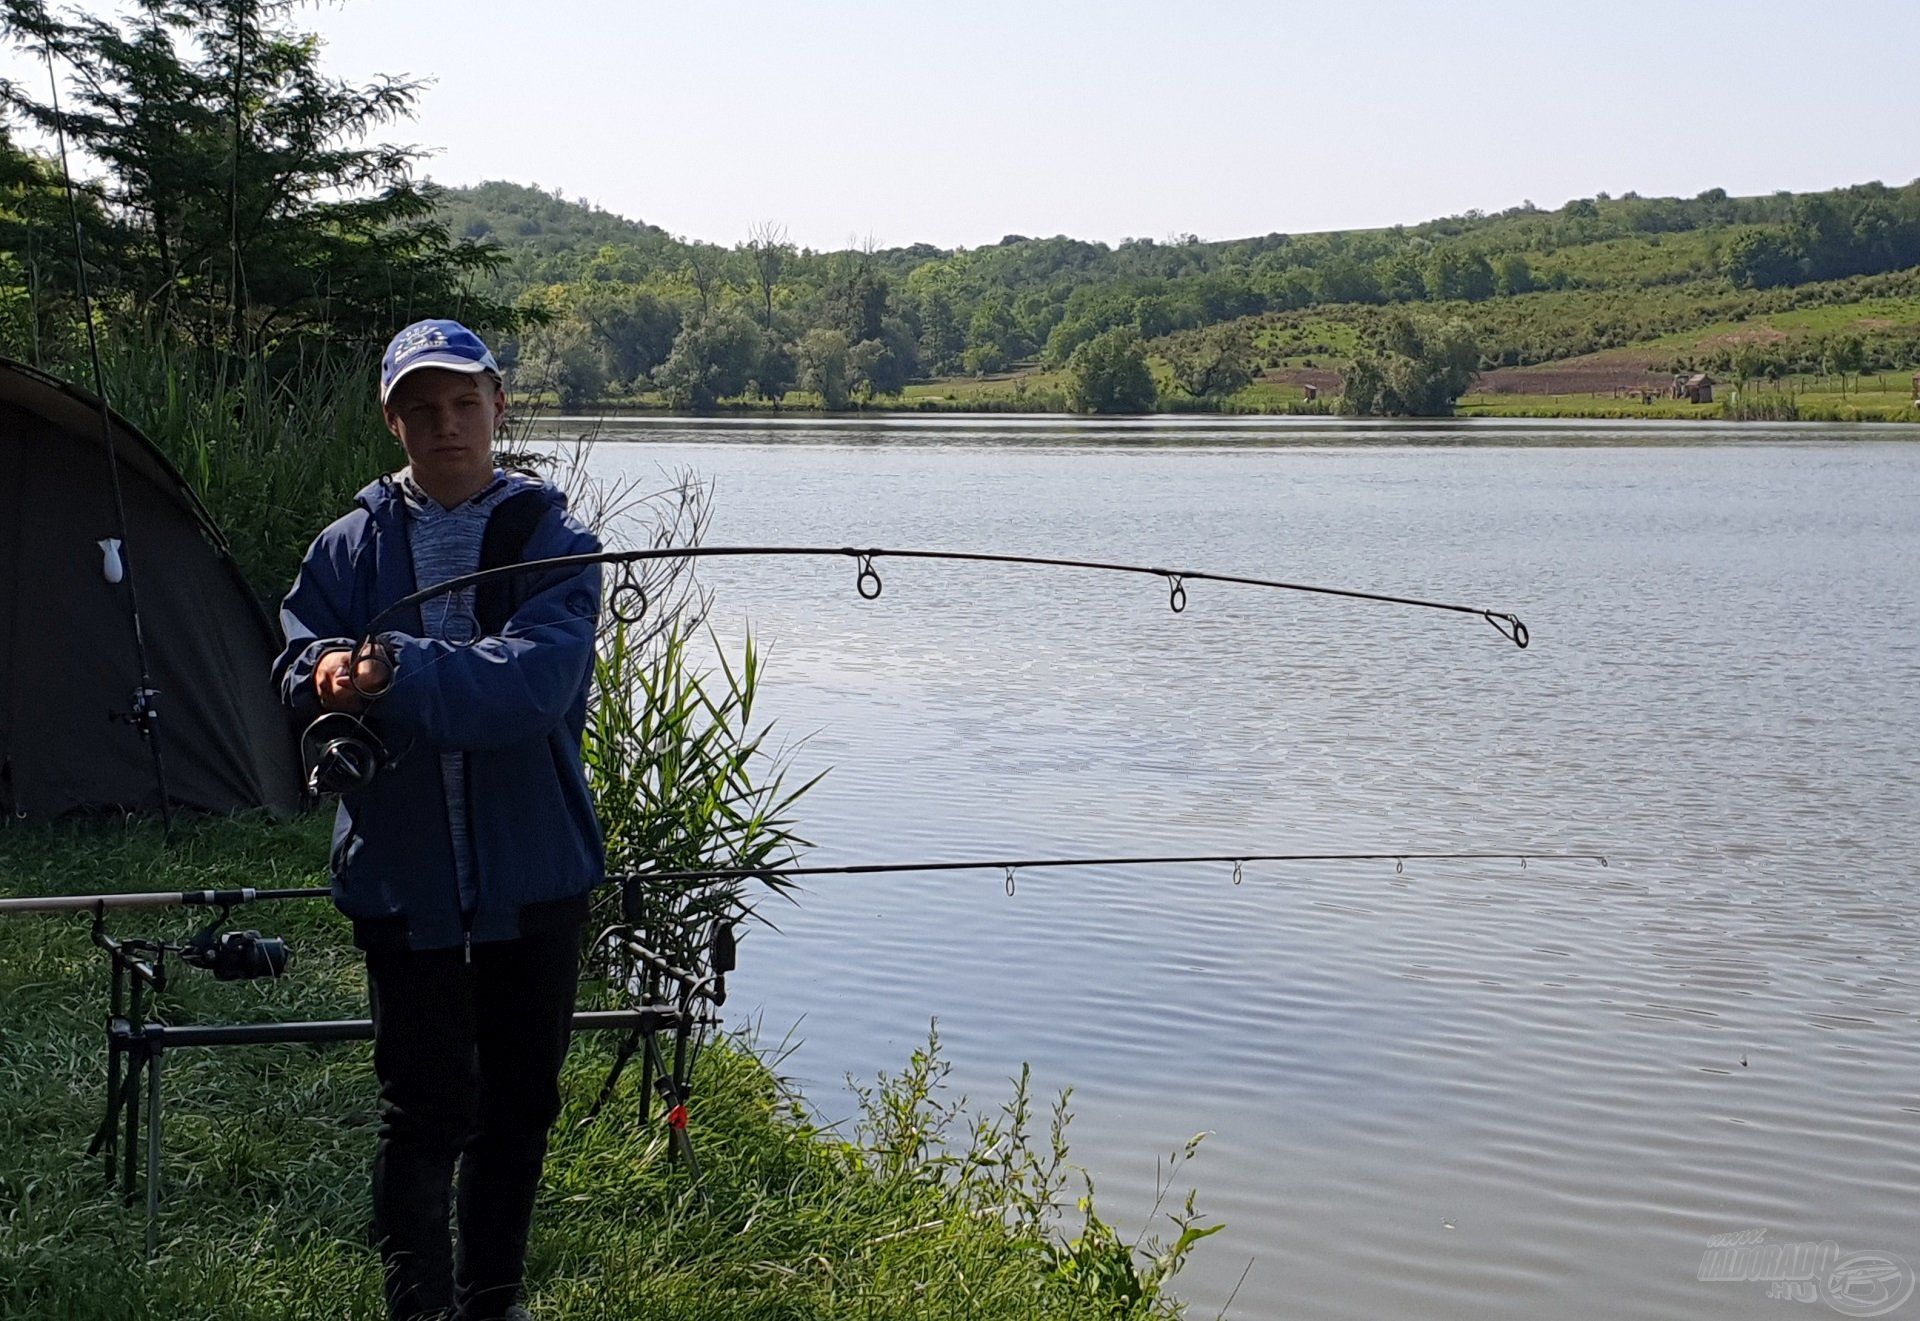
(336, 691)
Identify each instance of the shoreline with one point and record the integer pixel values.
(1706, 415)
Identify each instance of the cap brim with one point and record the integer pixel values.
(466, 366)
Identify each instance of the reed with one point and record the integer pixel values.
(274, 454)
(683, 780)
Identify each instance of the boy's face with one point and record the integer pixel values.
(445, 420)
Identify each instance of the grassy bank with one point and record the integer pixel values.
(1789, 401)
(906, 1214)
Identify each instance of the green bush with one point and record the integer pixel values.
(1109, 374)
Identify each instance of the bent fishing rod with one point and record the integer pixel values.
(234, 898)
(628, 602)
(341, 753)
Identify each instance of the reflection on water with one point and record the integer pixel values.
(1467, 1090)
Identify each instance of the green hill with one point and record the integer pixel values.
(1597, 276)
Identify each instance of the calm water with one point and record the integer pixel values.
(1465, 1091)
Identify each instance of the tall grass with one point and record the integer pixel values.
(274, 455)
(921, 1208)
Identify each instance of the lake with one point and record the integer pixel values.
(1462, 1090)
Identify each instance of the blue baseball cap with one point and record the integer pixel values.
(444, 344)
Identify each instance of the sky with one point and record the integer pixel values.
(905, 122)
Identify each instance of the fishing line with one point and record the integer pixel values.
(145, 716)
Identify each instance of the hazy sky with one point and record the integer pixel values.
(957, 124)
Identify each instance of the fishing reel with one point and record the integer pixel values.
(340, 754)
(236, 956)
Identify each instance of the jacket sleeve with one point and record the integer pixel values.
(503, 689)
(314, 618)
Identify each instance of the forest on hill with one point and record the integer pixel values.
(624, 308)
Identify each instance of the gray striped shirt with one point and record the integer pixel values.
(445, 544)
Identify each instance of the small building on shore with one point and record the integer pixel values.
(1695, 389)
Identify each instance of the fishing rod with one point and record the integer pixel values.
(144, 714)
(100, 903)
(91, 903)
(628, 601)
(1013, 865)
(341, 753)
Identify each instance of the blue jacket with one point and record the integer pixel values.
(513, 703)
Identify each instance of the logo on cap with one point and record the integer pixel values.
(435, 343)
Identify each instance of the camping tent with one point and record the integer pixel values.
(69, 672)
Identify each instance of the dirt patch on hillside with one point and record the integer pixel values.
(1324, 379)
(1618, 371)
(1614, 372)
(1745, 335)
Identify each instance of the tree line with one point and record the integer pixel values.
(241, 203)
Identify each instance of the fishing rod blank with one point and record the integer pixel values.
(89, 903)
(1012, 865)
(144, 715)
(95, 903)
(628, 602)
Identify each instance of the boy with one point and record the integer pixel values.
(466, 864)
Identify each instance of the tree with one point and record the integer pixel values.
(854, 298)
(1456, 274)
(884, 365)
(823, 366)
(1848, 356)
(1343, 280)
(941, 338)
(774, 369)
(1761, 259)
(1411, 365)
(1401, 277)
(991, 335)
(565, 358)
(634, 327)
(768, 250)
(1213, 362)
(706, 270)
(1512, 275)
(1748, 360)
(244, 204)
(717, 356)
(1108, 374)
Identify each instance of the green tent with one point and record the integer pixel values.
(69, 672)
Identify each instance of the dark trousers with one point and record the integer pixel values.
(468, 1056)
